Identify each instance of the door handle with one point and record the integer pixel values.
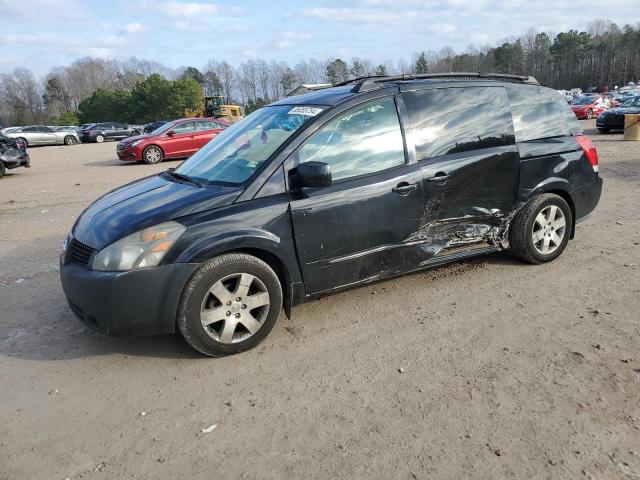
(404, 188)
(438, 177)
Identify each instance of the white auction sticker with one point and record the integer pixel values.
(308, 111)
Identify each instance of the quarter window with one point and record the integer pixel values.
(540, 112)
(454, 120)
(364, 140)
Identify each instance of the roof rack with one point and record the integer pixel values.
(372, 82)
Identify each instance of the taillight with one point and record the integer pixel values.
(589, 150)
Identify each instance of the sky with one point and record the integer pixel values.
(40, 34)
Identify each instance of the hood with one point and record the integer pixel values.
(144, 203)
(129, 140)
(622, 111)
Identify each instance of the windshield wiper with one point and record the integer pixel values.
(185, 178)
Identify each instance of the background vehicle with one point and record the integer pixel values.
(588, 107)
(41, 135)
(324, 191)
(13, 154)
(177, 139)
(150, 127)
(99, 132)
(215, 107)
(613, 119)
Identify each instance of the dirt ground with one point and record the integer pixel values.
(484, 369)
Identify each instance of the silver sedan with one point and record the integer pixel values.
(41, 135)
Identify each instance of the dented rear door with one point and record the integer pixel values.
(465, 147)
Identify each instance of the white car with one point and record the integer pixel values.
(41, 135)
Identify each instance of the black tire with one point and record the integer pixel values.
(195, 292)
(152, 154)
(3, 170)
(99, 138)
(521, 230)
(135, 133)
(604, 130)
(24, 140)
(70, 140)
(589, 114)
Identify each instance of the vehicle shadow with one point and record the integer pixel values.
(111, 163)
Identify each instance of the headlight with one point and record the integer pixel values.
(66, 242)
(134, 143)
(145, 248)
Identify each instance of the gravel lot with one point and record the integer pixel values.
(484, 369)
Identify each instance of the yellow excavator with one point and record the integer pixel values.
(215, 107)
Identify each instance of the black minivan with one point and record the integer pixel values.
(339, 187)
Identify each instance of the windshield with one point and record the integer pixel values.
(583, 101)
(634, 102)
(162, 128)
(240, 150)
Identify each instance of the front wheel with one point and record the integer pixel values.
(604, 130)
(152, 154)
(589, 114)
(229, 305)
(540, 230)
(2, 170)
(99, 138)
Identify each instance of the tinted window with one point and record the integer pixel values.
(185, 128)
(29, 129)
(119, 125)
(453, 120)
(364, 140)
(44, 129)
(540, 112)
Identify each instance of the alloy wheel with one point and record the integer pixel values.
(234, 308)
(153, 155)
(549, 229)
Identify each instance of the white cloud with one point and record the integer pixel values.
(136, 27)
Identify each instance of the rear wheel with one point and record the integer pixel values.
(23, 140)
(229, 305)
(2, 169)
(70, 140)
(152, 154)
(589, 114)
(99, 138)
(540, 230)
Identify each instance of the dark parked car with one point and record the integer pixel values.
(99, 132)
(613, 119)
(177, 139)
(326, 191)
(150, 127)
(13, 154)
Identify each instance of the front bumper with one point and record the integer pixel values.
(126, 304)
(12, 159)
(129, 153)
(610, 121)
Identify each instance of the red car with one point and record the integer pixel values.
(589, 107)
(176, 139)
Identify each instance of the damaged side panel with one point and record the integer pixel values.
(473, 206)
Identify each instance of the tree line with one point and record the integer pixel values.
(138, 90)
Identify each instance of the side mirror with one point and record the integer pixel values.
(311, 174)
(170, 133)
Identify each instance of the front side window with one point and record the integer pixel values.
(453, 120)
(239, 151)
(186, 127)
(364, 140)
(204, 126)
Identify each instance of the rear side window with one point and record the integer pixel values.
(540, 112)
(186, 127)
(454, 120)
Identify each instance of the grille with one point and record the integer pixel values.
(79, 253)
(614, 120)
